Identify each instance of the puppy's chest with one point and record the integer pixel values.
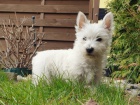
(88, 66)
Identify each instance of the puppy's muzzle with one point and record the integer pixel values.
(90, 50)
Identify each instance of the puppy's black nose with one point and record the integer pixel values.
(90, 50)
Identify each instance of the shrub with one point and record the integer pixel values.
(125, 52)
(20, 43)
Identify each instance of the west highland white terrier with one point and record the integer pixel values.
(85, 62)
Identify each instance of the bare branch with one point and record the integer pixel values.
(19, 41)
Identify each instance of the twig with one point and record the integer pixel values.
(19, 43)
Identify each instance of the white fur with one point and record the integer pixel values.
(77, 63)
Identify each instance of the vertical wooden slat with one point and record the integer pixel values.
(90, 10)
(96, 10)
(42, 16)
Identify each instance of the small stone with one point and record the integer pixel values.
(133, 93)
(128, 89)
(133, 87)
(20, 78)
(138, 9)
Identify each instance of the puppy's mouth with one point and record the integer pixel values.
(90, 54)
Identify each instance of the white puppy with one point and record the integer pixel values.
(85, 61)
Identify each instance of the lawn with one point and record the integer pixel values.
(58, 92)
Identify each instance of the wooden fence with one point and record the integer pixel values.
(56, 18)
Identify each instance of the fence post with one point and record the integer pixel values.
(90, 10)
(95, 11)
(41, 16)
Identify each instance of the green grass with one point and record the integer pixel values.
(58, 92)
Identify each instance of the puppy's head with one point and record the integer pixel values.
(93, 39)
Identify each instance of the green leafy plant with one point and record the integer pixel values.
(125, 52)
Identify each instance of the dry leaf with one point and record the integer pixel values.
(91, 102)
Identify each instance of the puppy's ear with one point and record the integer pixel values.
(108, 21)
(81, 20)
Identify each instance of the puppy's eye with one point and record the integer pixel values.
(85, 38)
(99, 39)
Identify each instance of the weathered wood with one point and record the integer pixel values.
(56, 45)
(67, 2)
(42, 16)
(61, 36)
(37, 15)
(6, 15)
(43, 8)
(90, 10)
(49, 45)
(96, 11)
(33, 2)
(59, 29)
(2, 45)
(54, 36)
(48, 22)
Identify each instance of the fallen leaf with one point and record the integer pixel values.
(91, 102)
